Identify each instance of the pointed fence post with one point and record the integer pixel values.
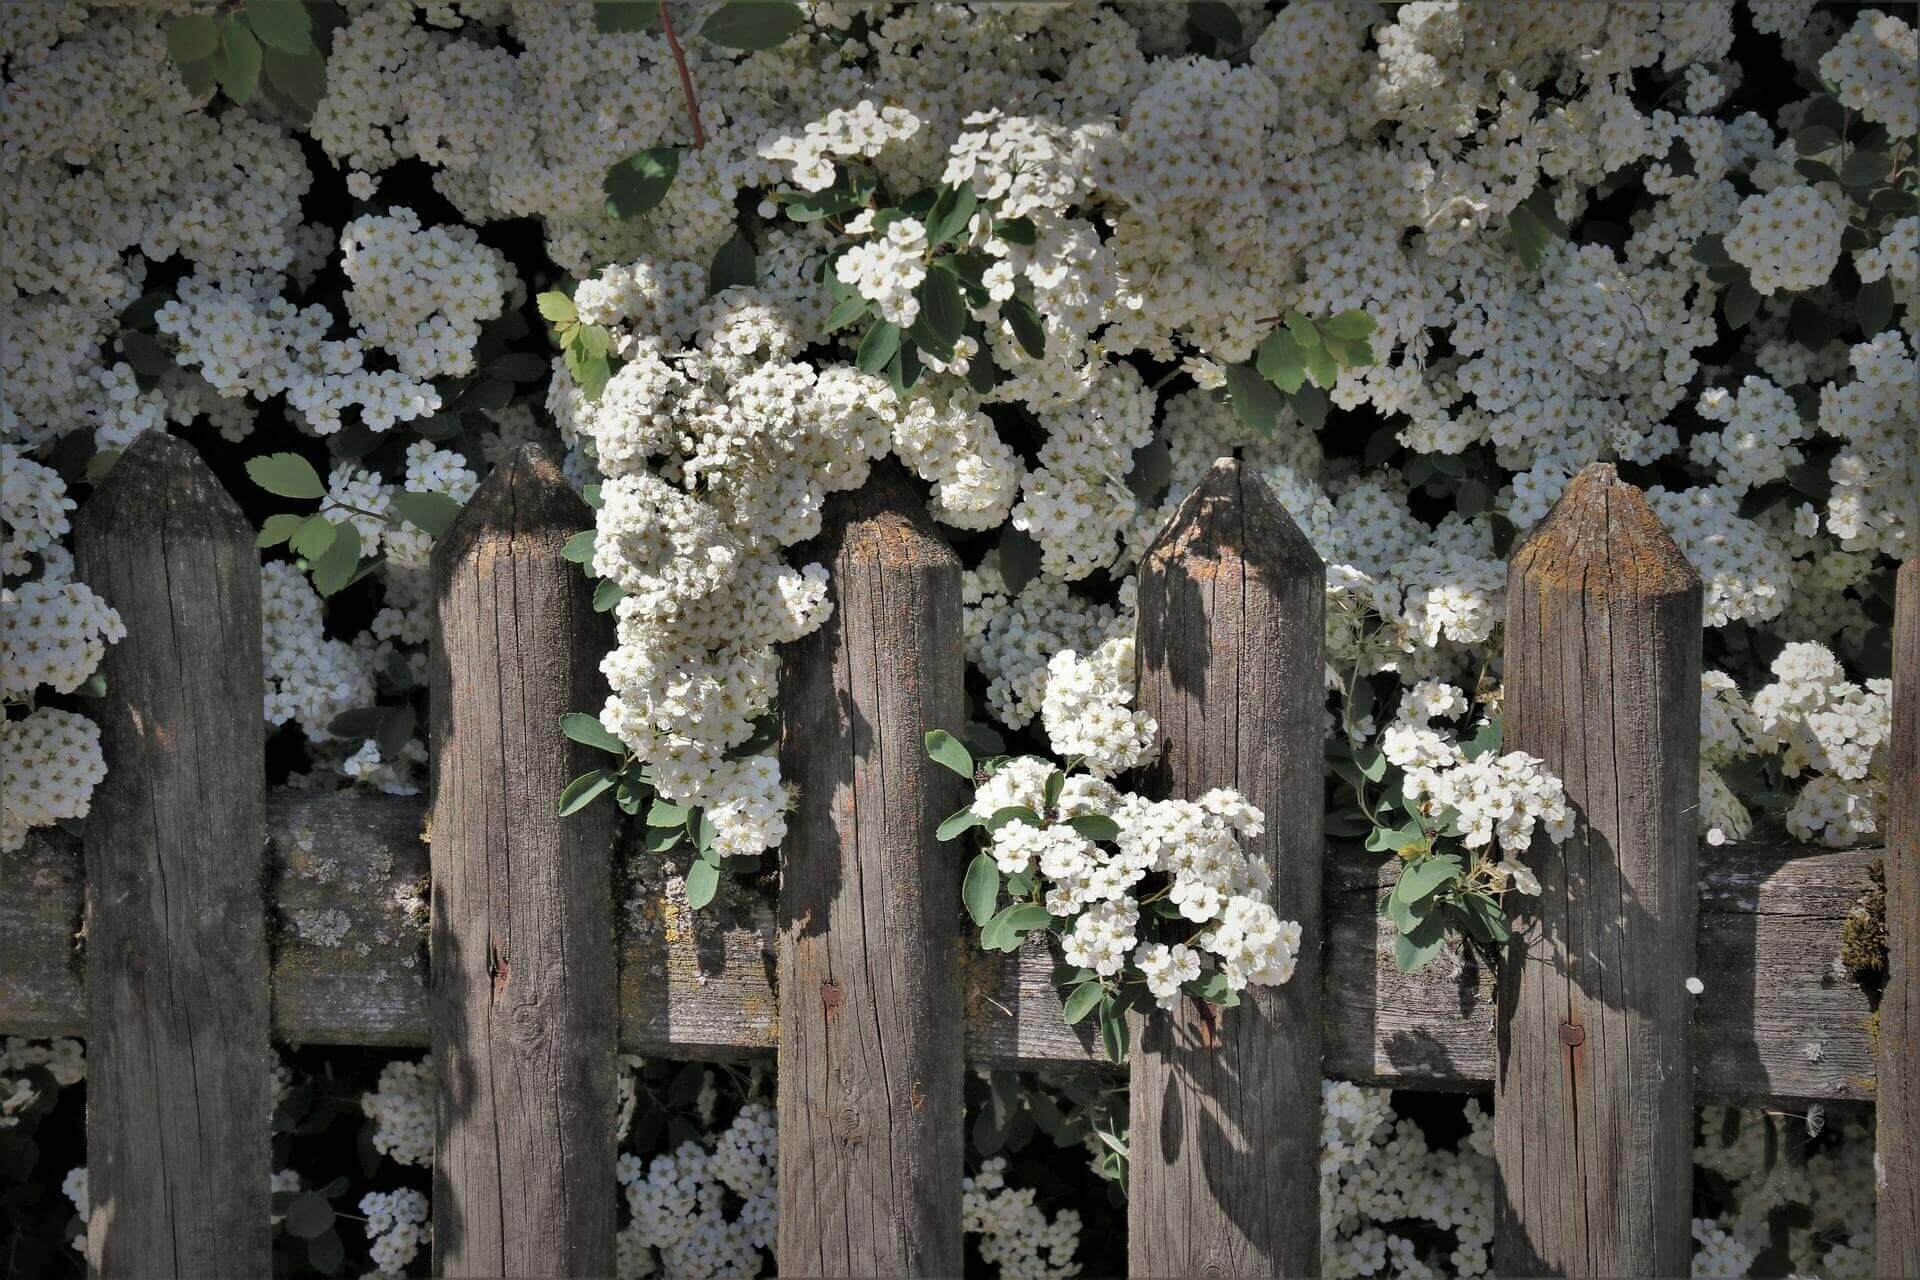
(1593, 1093)
(178, 1082)
(1897, 1162)
(1225, 1137)
(522, 989)
(870, 1058)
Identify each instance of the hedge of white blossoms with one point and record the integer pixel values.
(1679, 235)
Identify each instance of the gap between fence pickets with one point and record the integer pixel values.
(1778, 1019)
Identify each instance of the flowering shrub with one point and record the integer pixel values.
(1172, 904)
(1415, 264)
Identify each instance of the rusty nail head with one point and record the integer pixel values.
(1572, 1033)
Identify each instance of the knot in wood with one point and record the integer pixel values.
(1572, 1034)
(526, 1025)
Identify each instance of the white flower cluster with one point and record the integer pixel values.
(397, 1225)
(1487, 797)
(1217, 895)
(401, 1108)
(1015, 1234)
(64, 1059)
(1088, 709)
(1788, 238)
(1836, 731)
(679, 1204)
(53, 633)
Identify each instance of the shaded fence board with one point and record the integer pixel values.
(1897, 1165)
(872, 1146)
(179, 1091)
(522, 981)
(1593, 1095)
(700, 984)
(1223, 1176)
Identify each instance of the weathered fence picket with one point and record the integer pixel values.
(1897, 1145)
(522, 899)
(1594, 1058)
(1593, 1098)
(871, 1139)
(179, 1089)
(1224, 1165)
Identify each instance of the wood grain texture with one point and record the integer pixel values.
(700, 984)
(870, 1059)
(522, 995)
(1593, 1091)
(178, 1088)
(1897, 1222)
(1225, 1138)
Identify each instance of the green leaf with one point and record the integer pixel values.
(277, 529)
(1016, 230)
(623, 17)
(943, 312)
(284, 24)
(607, 594)
(582, 790)
(1322, 370)
(733, 264)
(429, 512)
(556, 307)
(1282, 360)
(302, 77)
(1413, 950)
(312, 537)
(145, 353)
(1028, 328)
(1864, 168)
(1486, 737)
(357, 722)
(1741, 302)
(1083, 1000)
(287, 475)
(237, 67)
(1711, 251)
(1529, 236)
(1013, 813)
(878, 347)
(1383, 839)
(1350, 353)
(703, 881)
(753, 24)
(951, 213)
(1353, 326)
(1095, 826)
(1421, 879)
(587, 730)
(846, 311)
(1874, 306)
(1019, 556)
(1255, 400)
(945, 749)
(192, 37)
(396, 727)
(197, 76)
(665, 813)
(1113, 1029)
(957, 823)
(980, 891)
(308, 1215)
(579, 548)
(336, 565)
(1025, 916)
(640, 182)
(590, 372)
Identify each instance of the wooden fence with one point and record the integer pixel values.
(507, 954)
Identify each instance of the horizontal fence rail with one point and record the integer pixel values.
(1777, 1020)
(503, 950)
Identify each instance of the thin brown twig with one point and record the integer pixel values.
(686, 76)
